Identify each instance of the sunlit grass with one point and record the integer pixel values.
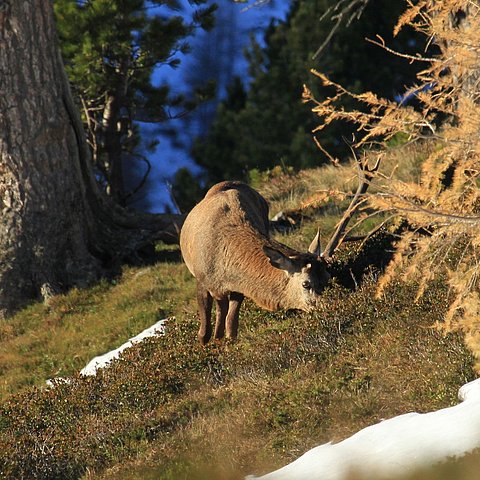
(58, 339)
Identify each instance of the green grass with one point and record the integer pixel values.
(43, 341)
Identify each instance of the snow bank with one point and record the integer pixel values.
(104, 360)
(394, 446)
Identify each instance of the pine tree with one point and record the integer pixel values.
(111, 48)
(273, 127)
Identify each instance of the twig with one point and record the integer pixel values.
(339, 17)
(144, 178)
(417, 58)
(172, 196)
(365, 175)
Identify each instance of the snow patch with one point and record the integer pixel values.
(394, 446)
(470, 391)
(104, 360)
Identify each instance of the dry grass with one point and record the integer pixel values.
(171, 410)
(327, 189)
(295, 381)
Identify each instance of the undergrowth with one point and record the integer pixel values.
(46, 341)
(170, 409)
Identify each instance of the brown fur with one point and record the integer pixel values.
(226, 246)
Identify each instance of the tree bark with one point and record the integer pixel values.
(112, 134)
(57, 229)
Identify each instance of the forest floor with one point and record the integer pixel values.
(170, 409)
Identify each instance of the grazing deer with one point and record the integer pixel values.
(226, 246)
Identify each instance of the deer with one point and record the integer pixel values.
(226, 245)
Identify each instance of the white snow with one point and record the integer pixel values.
(104, 360)
(391, 447)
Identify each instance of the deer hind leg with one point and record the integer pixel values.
(221, 306)
(204, 300)
(234, 304)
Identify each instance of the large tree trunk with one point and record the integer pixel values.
(57, 229)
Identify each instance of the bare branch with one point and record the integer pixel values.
(365, 175)
(172, 196)
(348, 10)
(447, 217)
(144, 178)
(91, 137)
(334, 160)
(256, 3)
(414, 58)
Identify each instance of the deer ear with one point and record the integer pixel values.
(315, 246)
(279, 260)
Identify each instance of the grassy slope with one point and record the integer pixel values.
(170, 409)
(59, 339)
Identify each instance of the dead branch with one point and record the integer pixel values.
(365, 175)
(448, 218)
(414, 58)
(348, 10)
(257, 3)
(142, 182)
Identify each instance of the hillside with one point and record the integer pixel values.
(170, 409)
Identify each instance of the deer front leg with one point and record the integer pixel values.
(234, 305)
(221, 313)
(204, 300)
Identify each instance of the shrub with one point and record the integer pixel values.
(442, 208)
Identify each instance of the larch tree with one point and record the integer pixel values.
(58, 229)
(442, 206)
